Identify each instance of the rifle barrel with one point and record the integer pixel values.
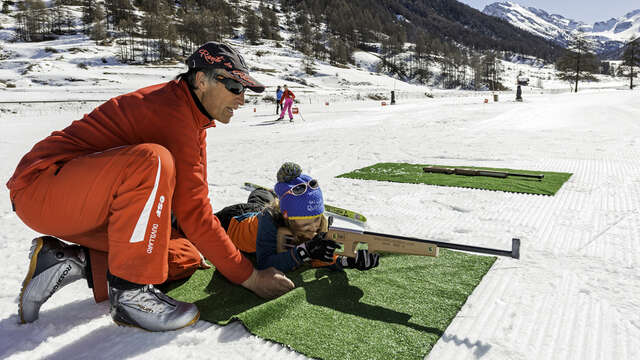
(535, 176)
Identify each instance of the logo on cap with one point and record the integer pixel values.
(210, 59)
(243, 76)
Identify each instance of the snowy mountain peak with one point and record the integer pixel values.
(604, 25)
(607, 35)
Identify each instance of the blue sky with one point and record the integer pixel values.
(588, 11)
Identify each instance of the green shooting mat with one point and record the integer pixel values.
(413, 173)
(395, 311)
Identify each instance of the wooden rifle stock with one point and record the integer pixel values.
(377, 242)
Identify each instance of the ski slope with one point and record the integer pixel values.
(574, 294)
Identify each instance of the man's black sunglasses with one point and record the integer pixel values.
(231, 84)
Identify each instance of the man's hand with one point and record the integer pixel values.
(268, 283)
(317, 248)
(364, 260)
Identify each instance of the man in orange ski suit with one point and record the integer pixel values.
(112, 180)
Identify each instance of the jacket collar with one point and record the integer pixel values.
(202, 116)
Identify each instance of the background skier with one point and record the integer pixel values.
(278, 97)
(287, 98)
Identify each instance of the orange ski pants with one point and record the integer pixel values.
(116, 201)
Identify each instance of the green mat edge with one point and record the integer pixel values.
(236, 318)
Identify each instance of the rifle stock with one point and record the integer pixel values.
(380, 242)
(351, 238)
(377, 242)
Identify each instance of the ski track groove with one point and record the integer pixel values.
(572, 295)
(556, 321)
(500, 307)
(580, 327)
(587, 216)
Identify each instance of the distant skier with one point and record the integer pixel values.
(299, 207)
(278, 97)
(519, 94)
(287, 98)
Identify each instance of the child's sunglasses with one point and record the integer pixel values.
(231, 84)
(302, 188)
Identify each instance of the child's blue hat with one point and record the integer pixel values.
(304, 206)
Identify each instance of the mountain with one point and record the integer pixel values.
(447, 21)
(608, 36)
(454, 21)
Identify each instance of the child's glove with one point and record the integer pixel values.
(363, 260)
(317, 248)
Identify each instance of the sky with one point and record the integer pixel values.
(588, 11)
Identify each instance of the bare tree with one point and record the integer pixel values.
(492, 68)
(32, 19)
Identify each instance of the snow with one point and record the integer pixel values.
(575, 292)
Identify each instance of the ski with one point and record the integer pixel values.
(348, 214)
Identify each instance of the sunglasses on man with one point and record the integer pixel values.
(302, 188)
(232, 85)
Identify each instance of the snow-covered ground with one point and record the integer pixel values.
(575, 293)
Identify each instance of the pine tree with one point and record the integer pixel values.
(303, 36)
(98, 31)
(491, 69)
(421, 71)
(319, 49)
(475, 63)
(251, 27)
(269, 23)
(57, 18)
(579, 63)
(308, 63)
(88, 14)
(631, 57)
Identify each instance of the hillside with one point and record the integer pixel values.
(76, 67)
(446, 20)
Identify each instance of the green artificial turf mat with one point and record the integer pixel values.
(395, 311)
(413, 173)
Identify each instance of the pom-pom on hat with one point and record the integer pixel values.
(305, 206)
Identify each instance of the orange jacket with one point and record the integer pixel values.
(287, 94)
(164, 114)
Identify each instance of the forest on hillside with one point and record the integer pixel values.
(412, 37)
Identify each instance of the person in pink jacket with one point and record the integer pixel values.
(287, 98)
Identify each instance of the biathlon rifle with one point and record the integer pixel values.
(377, 242)
(473, 172)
